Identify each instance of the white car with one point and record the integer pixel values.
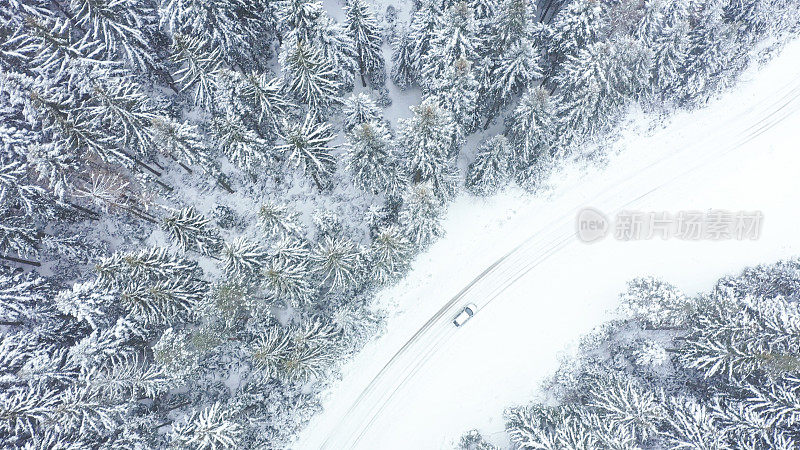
(465, 314)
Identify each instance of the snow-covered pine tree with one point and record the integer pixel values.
(371, 159)
(121, 105)
(656, 304)
(257, 100)
(308, 75)
(287, 281)
(388, 254)
(363, 29)
(403, 74)
(533, 126)
(419, 215)
(337, 48)
(306, 145)
(427, 137)
(56, 170)
(633, 66)
(425, 22)
(298, 17)
(691, 424)
(87, 302)
(473, 440)
(183, 143)
(55, 47)
(575, 27)
(72, 130)
(670, 48)
(243, 30)
(19, 240)
(270, 347)
(279, 220)
(651, 23)
(210, 428)
(290, 249)
(359, 108)
(198, 67)
(151, 263)
(712, 52)
(298, 353)
(25, 209)
(458, 93)
(243, 258)
(515, 70)
(738, 338)
(490, 171)
(626, 404)
(457, 37)
(241, 145)
(20, 294)
(511, 23)
(337, 260)
(191, 231)
(124, 29)
(154, 287)
(590, 96)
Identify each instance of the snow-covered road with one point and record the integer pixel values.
(538, 288)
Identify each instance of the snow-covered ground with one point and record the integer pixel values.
(424, 382)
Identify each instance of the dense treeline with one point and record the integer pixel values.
(198, 198)
(715, 371)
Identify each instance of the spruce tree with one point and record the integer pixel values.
(458, 92)
(533, 127)
(287, 281)
(671, 47)
(490, 170)
(306, 146)
(419, 215)
(298, 17)
(365, 33)
(183, 143)
(241, 145)
(243, 30)
(338, 261)
(308, 75)
(515, 70)
(338, 50)
(457, 37)
(594, 97)
(403, 74)
(576, 27)
(243, 258)
(371, 158)
(124, 29)
(207, 429)
(279, 220)
(388, 254)
(359, 108)
(198, 68)
(427, 138)
(425, 22)
(191, 231)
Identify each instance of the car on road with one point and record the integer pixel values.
(465, 315)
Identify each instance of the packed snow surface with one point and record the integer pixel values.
(425, 382)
